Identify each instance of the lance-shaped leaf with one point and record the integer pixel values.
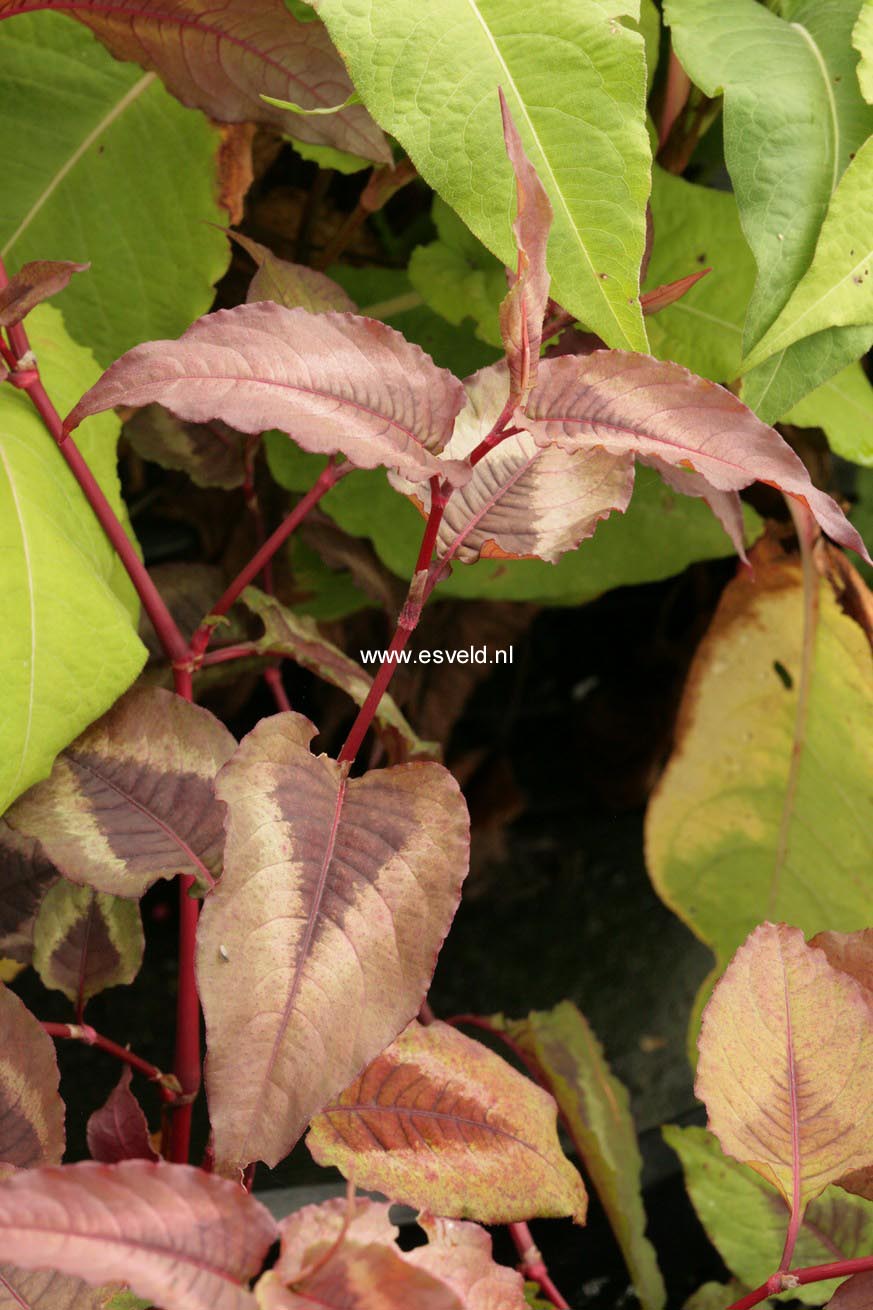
(335, 382)
(223, 58)
(669, 293)
(212, 454)
(298, 637)
(522, 501)
(32, 284)
(85, 941)
(799, 1111)
(336, 897)
(660, 412)
(132, 799)
(44, 1289)
(746, 1218)
(855, 1293)
(291, 285)
(523, 310)
(186, 1239)
(119, 1130)
(31, 1110)
(444, 1124)
(837, 288)
(569, 1060)
(25, 877)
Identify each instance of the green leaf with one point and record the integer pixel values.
(862, 40)
(67, 615)
(85, 941)
(353, 99)
(596, 1110)
(715, 1296)
(837, 289)
(100, 163)
(746, 1218)
(649, 25)
(321, 592)
(696, 227)
(458, 278)
(781, 381)
(575, 82)
(330, 157)
(843, 407)
(792, 119)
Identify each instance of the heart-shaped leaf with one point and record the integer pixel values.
(85, 941)
(31, 1110)
(119, 1130)
(335, 382)
(442, 1123)
(336, 897)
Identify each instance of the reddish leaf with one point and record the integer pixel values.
(460, 1254)
(797, 1110)
(660, 297)
(43, 1289)
(626, 403)
(119, 1130)
(291, 285)
(523, 310)
(131, 800)
(855, 1293)
(335, 382)
(212, 454)
(850, 952)
(31, 1110)
(186, 1239)
(25, 877)
(221, 57)
(443, 1124)
(86, 941)
(32, 284)
(336, 897)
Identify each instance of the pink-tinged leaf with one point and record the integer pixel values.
(212, 454)
(319, 943)
(132, 799)
(25, 877)
(184, 1238)
(523, 310)
(855, 1293)
(626, 403)
(660, 297)
(31, 1110)
(222, 57)
(443, 1124)
(85, 941)
(460, 1254)
(335, 382)
(850, 952)
(292, 285)
(32, 284)
(795, 1108)
(44, 1289)
(523, 501)
(119, 1130)
(297, 637)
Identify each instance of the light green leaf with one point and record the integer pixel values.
(793, 117)
(649, 25)
(330, 157)
(353, 99)
(715, 1296)
(69, 645)
(862, 40)
(843, 407)
(575, 82)
(100, 163)
(458, 278)
(746, 1219)
(85, 941)
(696, 227)
(781, 381)
(837, 289)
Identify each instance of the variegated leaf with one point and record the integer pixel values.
(31, 1110)
(25, 877)
(85, 941)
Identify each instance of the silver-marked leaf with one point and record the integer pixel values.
(440, 1122)
(319, 943)
(335, 382)
(32, 284)
(31, 1110)
(184, 1238)
(212, 454)
(132, 799)
(25, 877)
(660, 412)
(222, 58)
(85, 941)
(119, 1130)
(297, 636)
(291, 285)
(44, 1289)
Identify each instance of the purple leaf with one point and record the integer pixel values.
(212, 454)
(31, 1110)
(32, 284)
(626, 403)
(119, 1130)
(25, 876)
(335, 382)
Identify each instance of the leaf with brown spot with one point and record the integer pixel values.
(798, 1110)
(188, 1240)
(85, 941)
(291, 285)
(119, 1129)
(31, 1110)
(25, 877)
(297, 636)
(335, 900)
(132, 799)
(212, 454)
(32, 284)
(443, 1124)
(569, 1060)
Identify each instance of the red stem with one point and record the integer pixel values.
(83, 1032)
(777, 1283)
(533, 1266)
(439, 498)
(273, 679)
